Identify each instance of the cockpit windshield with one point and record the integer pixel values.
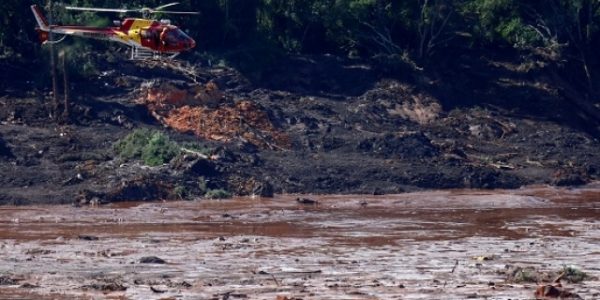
(174, 36)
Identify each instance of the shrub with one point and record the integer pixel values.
(180, 192)
(217, 194)
(153, 147)
(159, 150)
(573, 275)
(131, 146)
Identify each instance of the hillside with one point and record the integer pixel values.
(307, 124)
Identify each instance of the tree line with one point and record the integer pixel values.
(423, 31)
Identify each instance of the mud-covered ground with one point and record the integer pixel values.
(462, 244)
(306, 125)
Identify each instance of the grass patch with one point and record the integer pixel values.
(217, 194)
(152, 147)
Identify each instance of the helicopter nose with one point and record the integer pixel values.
(191, 43)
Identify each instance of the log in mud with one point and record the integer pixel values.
(427, 245)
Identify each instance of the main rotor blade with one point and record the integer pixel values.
(176, 12)
(119, 10)
(166, 5)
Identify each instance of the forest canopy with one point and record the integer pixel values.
(420, 30)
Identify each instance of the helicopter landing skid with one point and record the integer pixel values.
(145, 54)
(192, 72)
(49, 42)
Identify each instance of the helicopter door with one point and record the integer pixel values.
(145, 34)
(148, 37)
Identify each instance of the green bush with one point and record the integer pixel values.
(152, 147)
(217, 194)
(180, 192)
(159, 150)
(131, 146)
(574, 275)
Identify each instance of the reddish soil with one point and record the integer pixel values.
(429, 245)
(197, 111)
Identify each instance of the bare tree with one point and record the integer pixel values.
(53, 69)
(383, 39)
(63, 58)
(433, 22)
(380, 33)
(577, 20)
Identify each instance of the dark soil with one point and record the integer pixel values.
(350, 127)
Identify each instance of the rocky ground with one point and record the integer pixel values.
(308, 125)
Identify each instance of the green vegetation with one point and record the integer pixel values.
(159, 150)
(525, 275)
(421, 34)
(573, 275)
(155, 148)
(365, 28)
(202, 185)
(180, 192)
(152, 147)
(217, 194)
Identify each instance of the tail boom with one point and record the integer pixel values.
(39, 17)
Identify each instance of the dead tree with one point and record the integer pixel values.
(65, 114)
(53, 69)
(433, 21)
(577, 23)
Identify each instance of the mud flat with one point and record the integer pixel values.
(427, 245)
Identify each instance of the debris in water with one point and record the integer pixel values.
(158, 289)
(5, 280)
(307, 201)
(484, 257)
(152, 260)
(28, 285)
(554, 291)
(106, 287)
(88, 237)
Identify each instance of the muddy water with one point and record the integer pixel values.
(409, 246)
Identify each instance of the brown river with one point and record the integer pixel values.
(427, 245)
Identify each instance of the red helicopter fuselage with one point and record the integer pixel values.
(152, 35)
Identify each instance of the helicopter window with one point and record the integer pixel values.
(182, 34)
(172, 37)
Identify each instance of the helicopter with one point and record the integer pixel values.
(146, 37)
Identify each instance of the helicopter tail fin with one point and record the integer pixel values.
(41, 20)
